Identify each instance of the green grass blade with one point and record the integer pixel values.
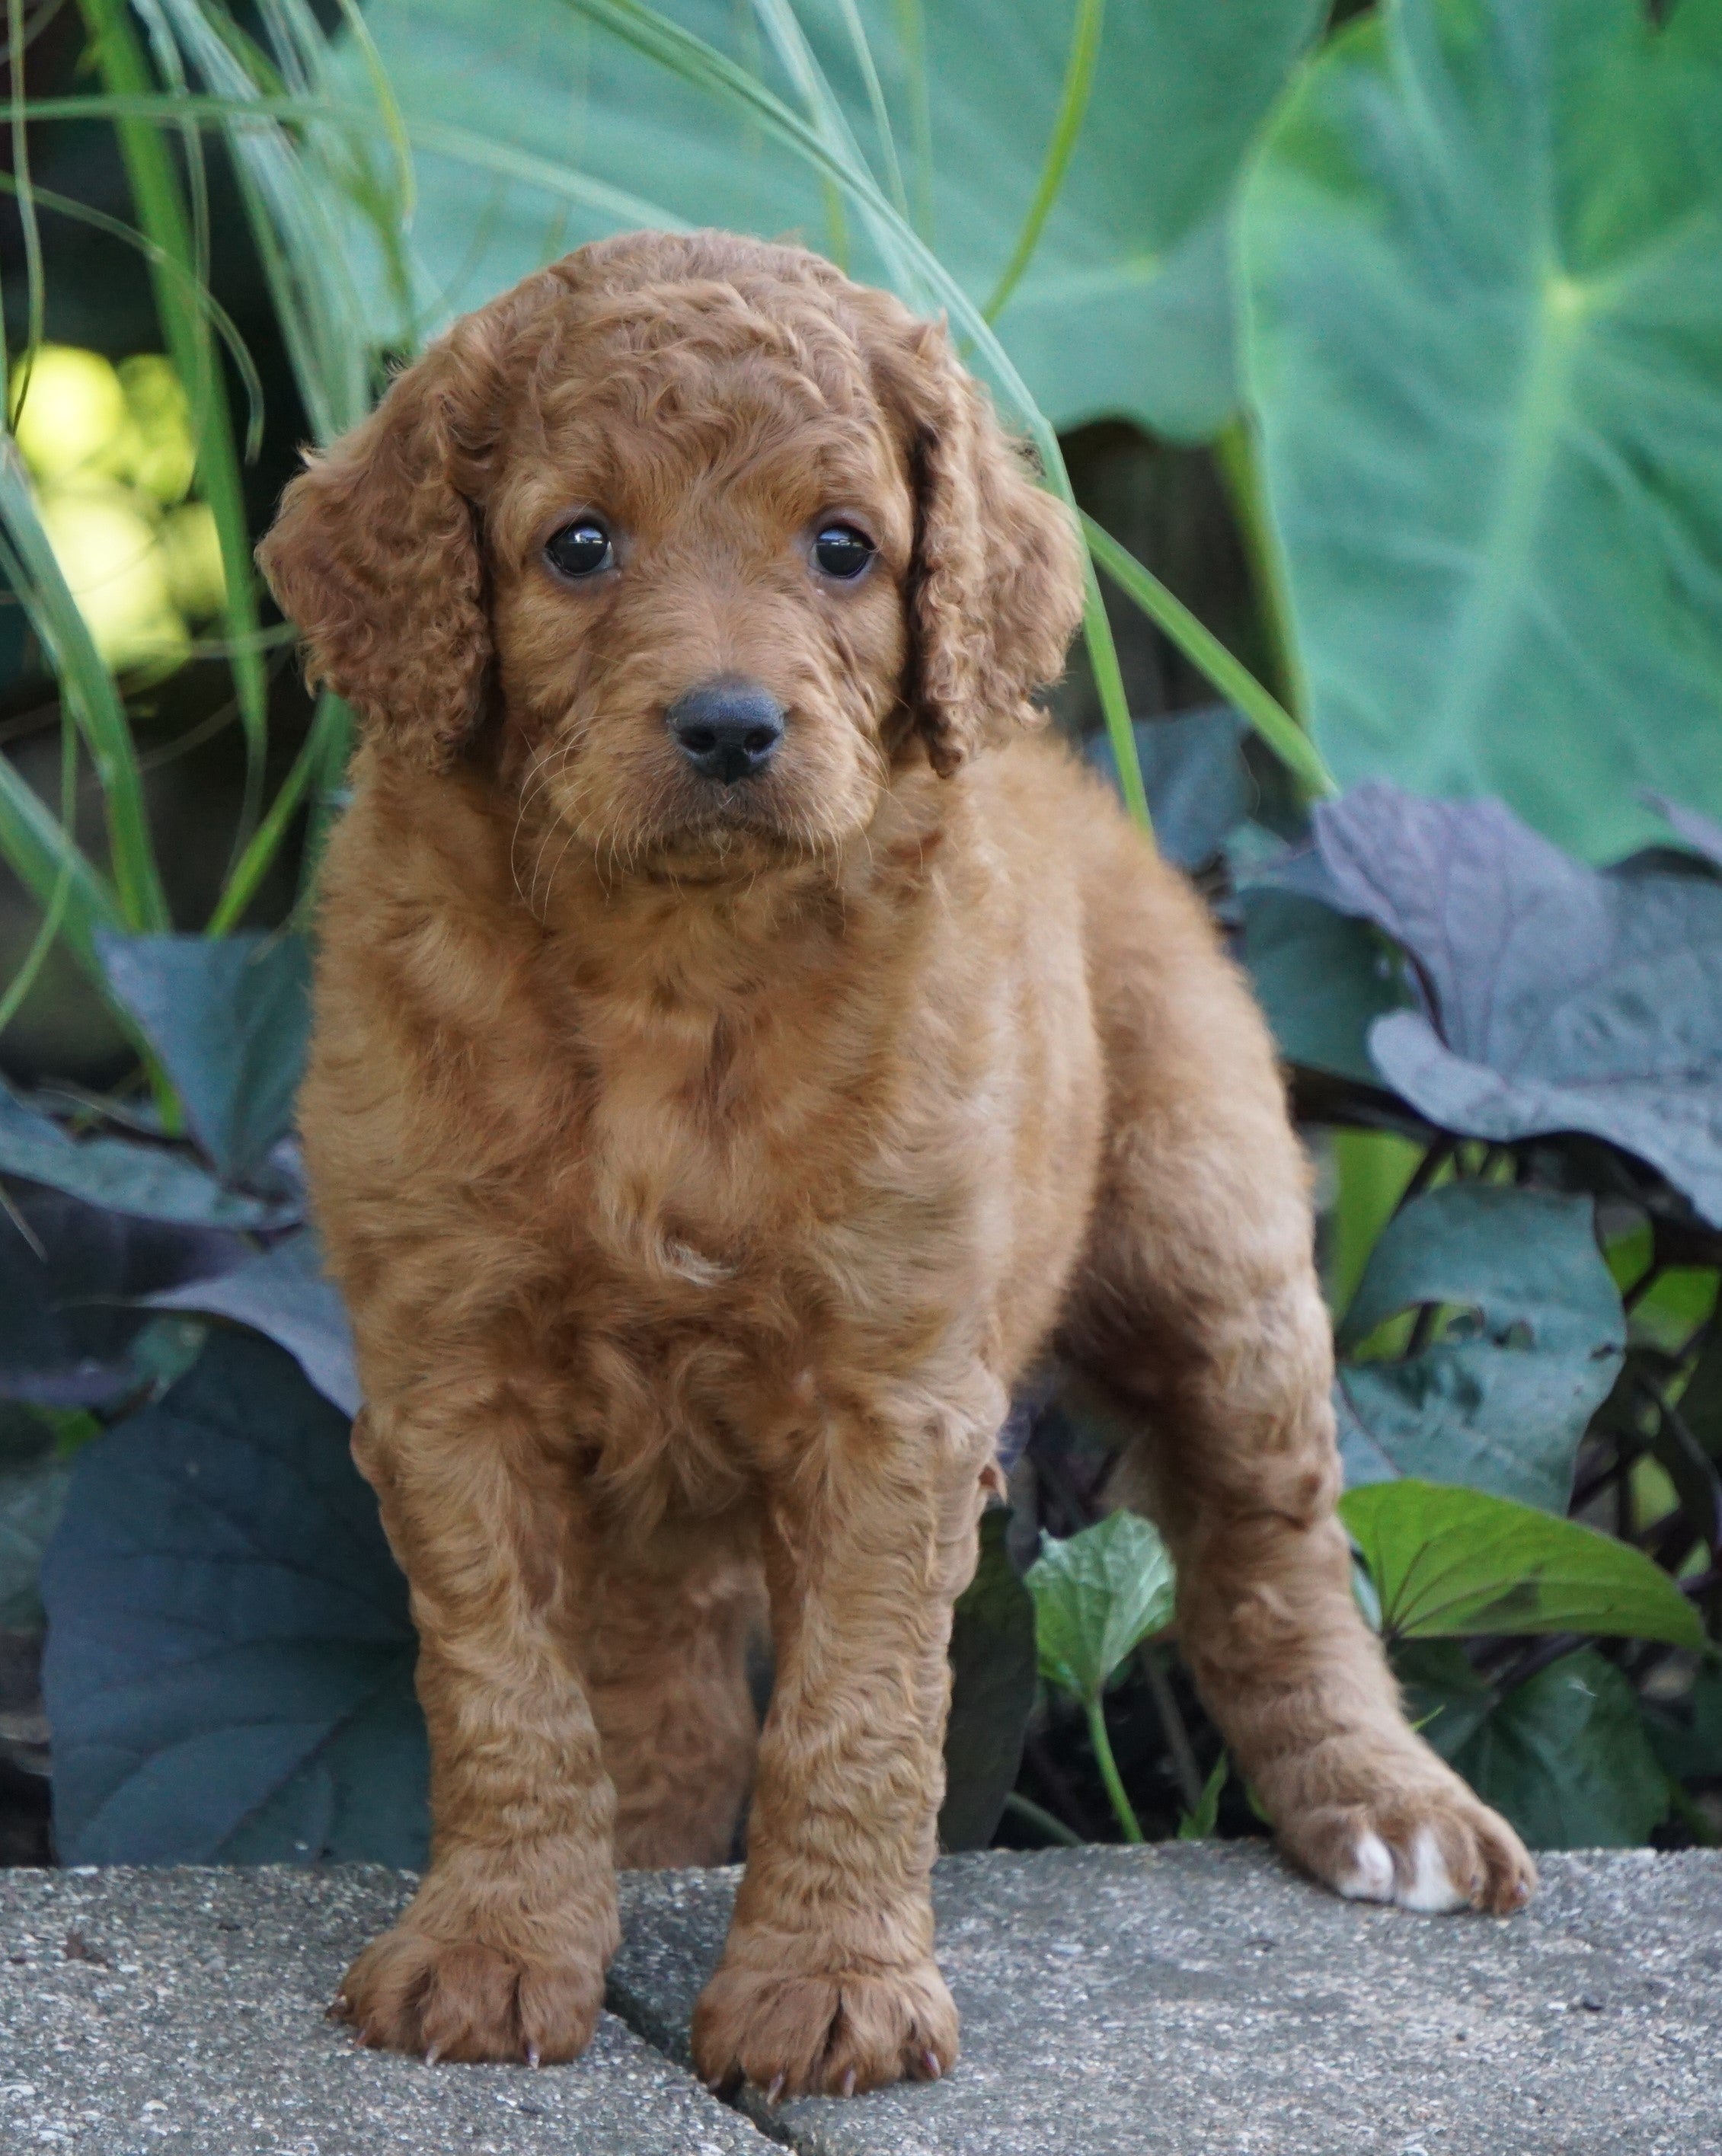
(322, 317)
(912, 33)
(89, 688)
(1067, 127)
(164, 53)
(1234, 680)
(1109, 685)
(24, 188)
(826, 116)
(48, 934)
(329, 724)
(1236, 451)
(328, 796)
(45, 860)
(863, 52)
(161, 214)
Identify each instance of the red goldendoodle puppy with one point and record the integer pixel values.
(742, 1049)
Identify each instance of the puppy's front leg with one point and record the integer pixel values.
(502, 1951)
(828, 1980)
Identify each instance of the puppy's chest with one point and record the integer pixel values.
(697, 1144)
(724, 1170)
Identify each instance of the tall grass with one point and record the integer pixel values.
(326, 176)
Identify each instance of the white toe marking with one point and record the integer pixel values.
(1429, 1888)
(1370, 1875)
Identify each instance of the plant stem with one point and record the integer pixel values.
(1043, 1822)
(1184, 1769)
(1095, 1709)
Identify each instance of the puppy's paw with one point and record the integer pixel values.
(832, 2035)
(462, 2001)
(1432, 1849)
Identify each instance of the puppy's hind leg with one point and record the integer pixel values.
(664, 1657)
(1198, 1310)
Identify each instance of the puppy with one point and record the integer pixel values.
(743, 1051)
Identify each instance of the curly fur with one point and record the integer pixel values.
(705, 1165)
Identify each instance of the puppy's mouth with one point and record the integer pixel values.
(725, 831)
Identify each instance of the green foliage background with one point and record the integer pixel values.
(1437, 294)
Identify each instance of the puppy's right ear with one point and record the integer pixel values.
(375, 555)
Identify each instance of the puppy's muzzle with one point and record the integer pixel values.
(727, 730)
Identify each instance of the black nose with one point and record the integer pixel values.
(727, 730)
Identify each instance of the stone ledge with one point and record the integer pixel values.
(1187, 1999)
(180, 2012)
(1172, 2001)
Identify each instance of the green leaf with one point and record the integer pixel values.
(992, 1691)
(1502, 1399)
(1565, 1755)
(229, 1661)
(1481, 252)
(229, 1017)
(148, 1182)
(1686, 1734)
(1198, 784)
(1135, 242)
(1448, 1563)
(282, 1293)
(1322, 980)
(1097, 1596)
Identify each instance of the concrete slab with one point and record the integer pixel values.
(180, 2013)
(1191, 1998)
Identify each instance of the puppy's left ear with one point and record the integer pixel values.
(997, 579)
(375, 555)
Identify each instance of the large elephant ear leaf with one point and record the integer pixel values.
(230, 1661)
(1530, 1340)
(1484, 310)
(1137, 244)
(230, 1018)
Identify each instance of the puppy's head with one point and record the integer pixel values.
(717, 536)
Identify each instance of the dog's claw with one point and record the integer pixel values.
(930, 2061)
(533, 2057)
(775, 2090)
(432, 2054)
(849, 2081)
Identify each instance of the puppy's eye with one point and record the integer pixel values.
(580, 549)
(842, 552)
